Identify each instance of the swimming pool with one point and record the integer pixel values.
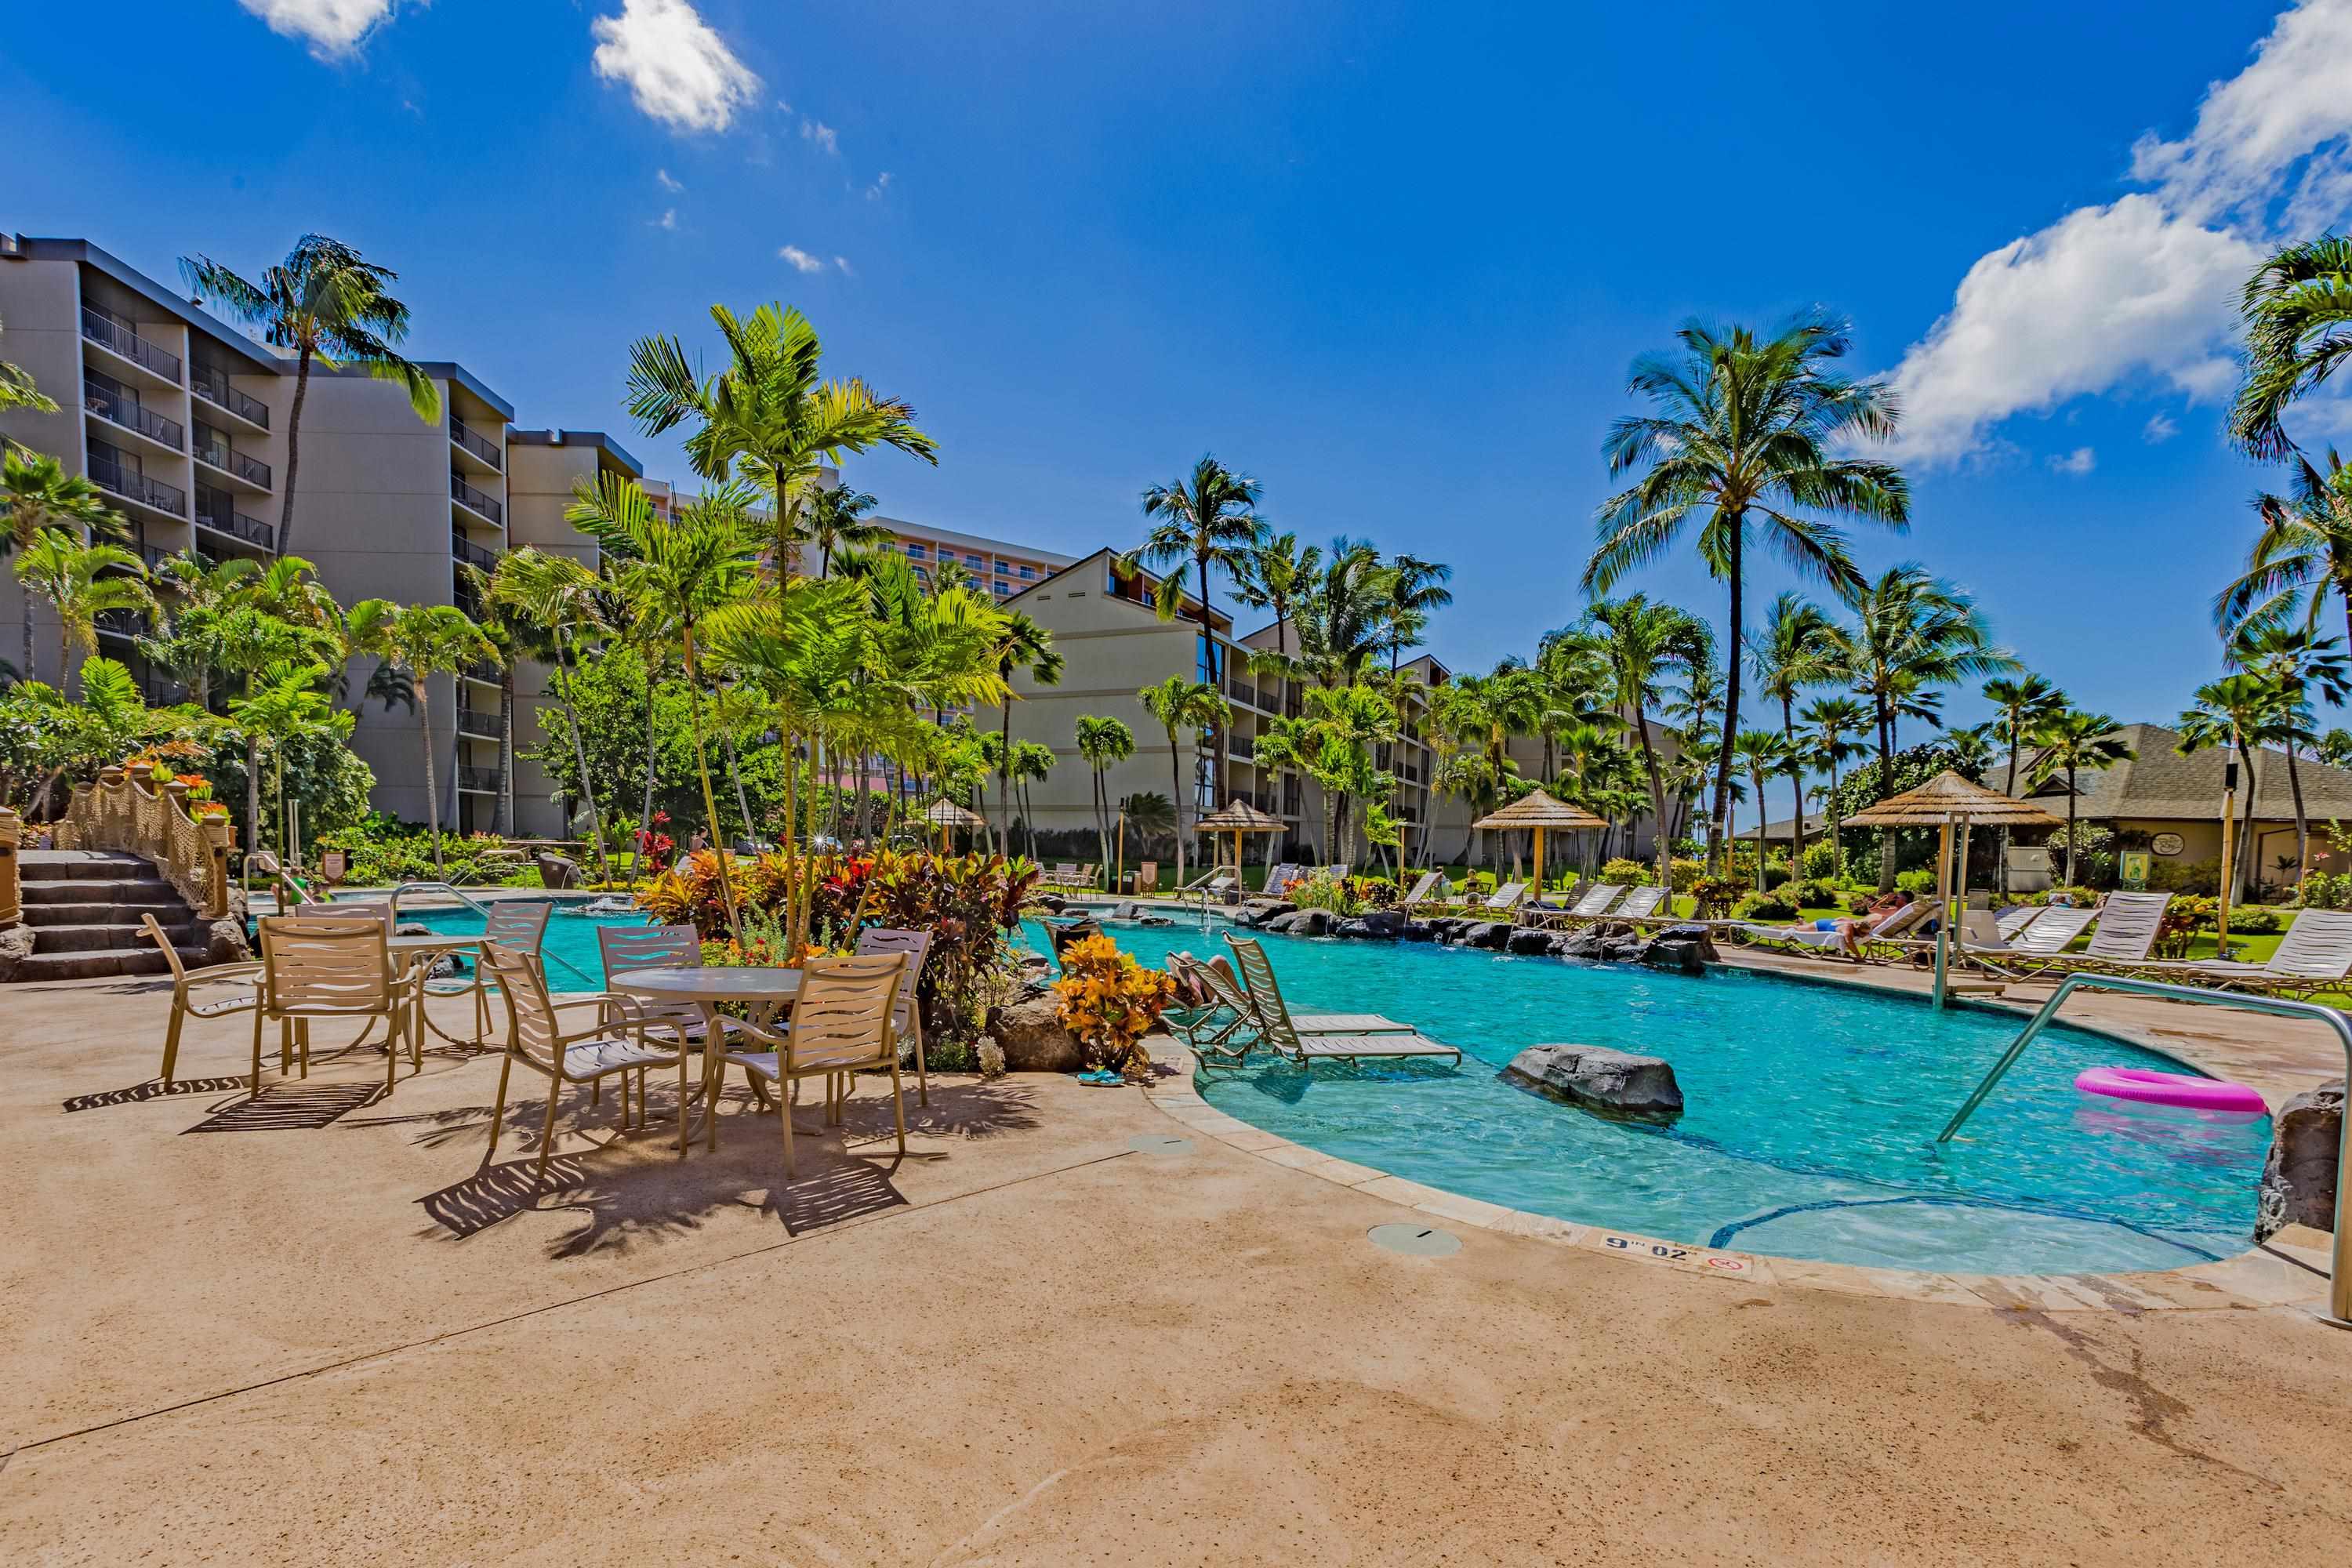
(1812, 1116)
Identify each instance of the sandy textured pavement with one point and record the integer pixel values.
(315, 1331)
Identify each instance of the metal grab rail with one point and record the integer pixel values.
(2340, 1279)
(482, 909)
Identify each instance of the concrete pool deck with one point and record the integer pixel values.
(315, 1330)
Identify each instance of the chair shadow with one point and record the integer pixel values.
(290, 1107)
(153, 1088)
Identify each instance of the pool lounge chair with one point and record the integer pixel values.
(1431, 888)
(1874, 942)
(1226, 1030)
(2010, 921)
(1503, 901)
(1596, 902)
(1279, 1029)
(2124, 942)
(2315, 955)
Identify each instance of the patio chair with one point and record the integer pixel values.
(1504, 898)
(1226, 1030)
(514, 923)
(2124, 943)
(183, 981)
(841, 1025)
(657, 947)
(537, 1038)
(2010, 921)
(1426, 890)
(908, 1020)
(1808, 940)
(1280, 1032)
(330, 969)
(353, 909)
(1596, 901)
(2315, 955)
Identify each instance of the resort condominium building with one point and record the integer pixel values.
(180, 419)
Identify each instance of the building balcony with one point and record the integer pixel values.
(476, 445)
(485, 672)
(215, 511)
(472, 553)
(124, 623)
(213, 451)
(479, 503)
(116, 337)
(1244, 747)
(118, 410)
(477, 781)
(1241, 690)
(210, 382)
(117, 477)
(480, 725)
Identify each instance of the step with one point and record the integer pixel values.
(79, 866)
(147, 960)
(174, 913)
(147, 892)
(104, 938)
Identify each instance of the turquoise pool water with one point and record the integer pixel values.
(1813, 1112)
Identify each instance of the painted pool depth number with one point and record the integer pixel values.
(1691, 1258)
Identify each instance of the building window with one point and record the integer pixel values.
(1003, 590)
(1027, 572)
(1204, 664)
(914, 550)
(977, 562)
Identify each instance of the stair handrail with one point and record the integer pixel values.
(127, 812)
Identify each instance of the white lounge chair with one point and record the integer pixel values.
(2128, 925)
(1808, 939)
(2315, 955)
(1280, 1032)
(1422, 891)
(1504, 899)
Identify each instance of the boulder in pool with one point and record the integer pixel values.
(1418, 930)
(1594, 1078)
(1385, 922)
(2299, 1179)
(1529, 942)
(1490, 934)
(1032, 1038)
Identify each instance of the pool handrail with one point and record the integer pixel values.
(2339, 1279)
(482, 909)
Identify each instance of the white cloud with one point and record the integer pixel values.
(678, 70)
(824, 135)
(782, 106)
(2078, 462)
(2145, 287)
(333, 26)
(843, 262)
(2159, 428)
(801, 259)
(666, 183)
(881, 183)
(667, 220)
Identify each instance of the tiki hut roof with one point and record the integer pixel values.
(1949, 797)
(1238, 817)
(947, 814)
(1539, 810)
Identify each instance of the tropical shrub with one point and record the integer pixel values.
(1919, 882)
(2198, 877)
(1820, 860)
(1323, 892)
(1632, 873)
(1110, 1001)
(1685, 873)
(2328, 890)
(1765, 907)
(1373, 893)
(381, 850)
(1818, 893)
(2081, 898)
(1713, 895)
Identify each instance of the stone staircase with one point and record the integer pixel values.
(84, 907)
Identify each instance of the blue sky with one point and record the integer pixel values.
(1391, 258)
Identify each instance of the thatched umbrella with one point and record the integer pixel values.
(1944, 801)
(1237, 817)
(1544, 812)
(947, 816)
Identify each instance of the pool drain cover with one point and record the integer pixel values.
(1416, 1241)
(1160, 1143)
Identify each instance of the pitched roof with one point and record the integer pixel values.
(1949, 797)
(2161, 784)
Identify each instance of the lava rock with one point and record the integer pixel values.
(1354, 927)
(15, 946)
(1529, 942)
(1577, 944)
(224, 942)
(411, 927)
(1418, 930)
(1033, 1039)
(1594, 1078)
(1698, 935)
(1680, 954)
(1309, 922)
(1385, 922)
(1488, 934)
(1621, 949)
(2299, 1179)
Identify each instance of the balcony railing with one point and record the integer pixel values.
(120, 410)
(1241, 690)
(120, 623)
(215, 511)
(479, 781)
(485, 670)
(467, 495)
(472, 553)
(213, 448)
(107, 332)
(473, 721)
(210, 382)
(112, 475)
(1241, 746)
(473, 441)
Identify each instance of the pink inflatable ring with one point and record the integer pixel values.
(2171, 1089)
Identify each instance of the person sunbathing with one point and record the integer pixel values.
(1851, 931)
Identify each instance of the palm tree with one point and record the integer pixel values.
(2305, 547)
(1209, 518)
(78, 581)
(2297, 309)
(2297, 665)
(332, 308)
(770, 418)
(2073, 742)
(1182, 704)
(1645, 643)
(1829, 721)
(1763, 754)
(1795, 647)
(37, 495)
(2237, 712)
(1912, 634)
(1414, 591)
(285, 707)
(202, 594)
(1032, 763)
(1023, 645)
(2020, 702)
(1745, 434)
(424, 641)
(566, 599)
(1102, 743)
(675, 575)
(1274, 574)
(835, 520)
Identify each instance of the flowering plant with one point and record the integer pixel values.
(1110, 1001)
(654, 848)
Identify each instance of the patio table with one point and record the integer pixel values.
(765, 992)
